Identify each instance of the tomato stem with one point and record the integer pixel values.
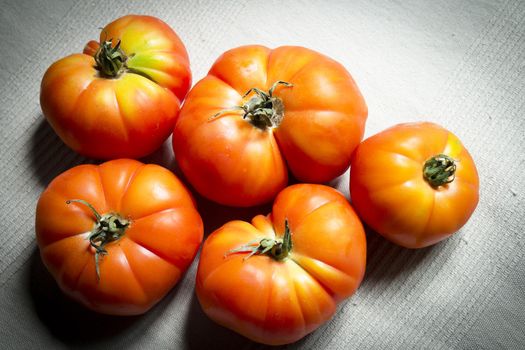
(108, 228)
(263, 110)
(439, 170)
(111, 61)
(277, 249)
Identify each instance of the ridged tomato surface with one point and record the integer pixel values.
(391, 194)
(127, 115)
(280, 301)
(164, 233)
(320, 119)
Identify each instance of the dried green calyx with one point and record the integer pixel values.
(108, 228)
(439, 170)
(263, 109)
(274, 248)
(111, 61)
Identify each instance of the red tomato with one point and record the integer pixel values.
(124, 254)
(280, 277)
(121, 97)
(262, 112)
(414, 183)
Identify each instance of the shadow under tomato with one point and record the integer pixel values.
(67, 320)
(215, 215)
(48, 155)
(202, 333)
(387, 261)
(75, 325)
(163, 156)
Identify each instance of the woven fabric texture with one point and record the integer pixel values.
(460, 64)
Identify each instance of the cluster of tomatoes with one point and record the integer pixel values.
(119, 235)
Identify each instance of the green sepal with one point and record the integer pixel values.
(276, 249)
(108, 228)
(439, 170)
(262, 110)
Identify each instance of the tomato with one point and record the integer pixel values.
(119, 98)
(280, 277)
(259, 113)
(414, 183)
(117, 237)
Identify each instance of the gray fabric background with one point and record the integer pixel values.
(458, 63)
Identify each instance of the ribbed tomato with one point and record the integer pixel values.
(117, 237)
(280, 277)
(414, 183)
(262, 112)
(121, 96)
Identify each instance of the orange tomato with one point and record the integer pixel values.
(119, 98)
(414, 183)
(262, 112)
(126, 252)
(280, 277)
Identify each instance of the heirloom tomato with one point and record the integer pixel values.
(414, 183)
(280, 277)
(121, 96)
(261, 112)
(118, 236)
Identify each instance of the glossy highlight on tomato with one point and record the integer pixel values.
(118, 236)
(280, 277)
(414, 183)
(260, 113)
(121, 96)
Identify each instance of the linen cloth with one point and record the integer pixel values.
(460, 64)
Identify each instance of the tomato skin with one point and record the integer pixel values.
(127, 116)
(391, 195)
(278, 302)
(324, 118)
(142, 266)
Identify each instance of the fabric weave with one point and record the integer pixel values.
(460, 64)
